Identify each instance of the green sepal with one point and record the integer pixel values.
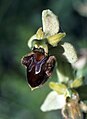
(50, 23)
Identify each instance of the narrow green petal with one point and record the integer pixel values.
(53, 40)
(77, 83)
(59, 88)
(40, 34)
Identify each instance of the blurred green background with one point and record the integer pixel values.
(19, 20)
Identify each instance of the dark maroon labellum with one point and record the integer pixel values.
(39, 67)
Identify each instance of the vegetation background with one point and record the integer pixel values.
(19, 20)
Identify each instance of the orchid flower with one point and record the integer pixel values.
(48, 51)
(66, 99)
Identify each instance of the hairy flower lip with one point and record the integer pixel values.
(38, 68)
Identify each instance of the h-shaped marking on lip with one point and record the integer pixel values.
(37, 64)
